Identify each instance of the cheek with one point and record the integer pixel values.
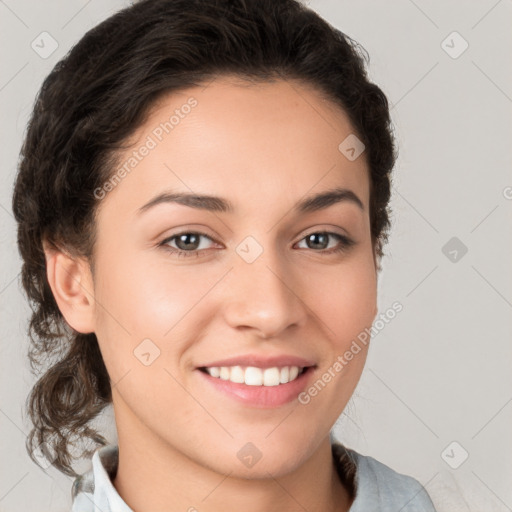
(139, 300)
(134, 291)
(345, 299)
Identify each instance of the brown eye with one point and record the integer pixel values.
(320, 240)
(187, 243)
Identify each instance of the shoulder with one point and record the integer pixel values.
(379, 487)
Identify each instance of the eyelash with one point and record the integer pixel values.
(345, 243)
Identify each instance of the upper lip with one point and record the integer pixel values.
(260, 361)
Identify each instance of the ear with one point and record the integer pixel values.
(71, 283)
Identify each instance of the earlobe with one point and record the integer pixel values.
(71, 284)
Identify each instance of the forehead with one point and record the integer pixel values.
(234, 106)
(233, 138)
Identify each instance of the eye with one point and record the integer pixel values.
(320, 240)
(189, 243)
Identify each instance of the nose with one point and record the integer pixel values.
(263, 296)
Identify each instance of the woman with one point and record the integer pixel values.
(202, 203)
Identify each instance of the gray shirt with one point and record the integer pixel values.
(376, 486)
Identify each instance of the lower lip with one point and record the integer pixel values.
(261, 396)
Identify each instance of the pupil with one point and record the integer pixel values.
(315, 236)
(182, 239)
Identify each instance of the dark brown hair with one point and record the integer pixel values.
(86, 110)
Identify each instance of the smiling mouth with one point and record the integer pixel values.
(254, 376)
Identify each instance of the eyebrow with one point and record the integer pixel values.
(312, 203)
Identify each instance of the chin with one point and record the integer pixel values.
(251, 462)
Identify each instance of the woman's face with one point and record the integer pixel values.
(264, 279)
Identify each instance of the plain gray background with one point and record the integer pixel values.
(437, 385)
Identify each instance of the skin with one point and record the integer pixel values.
(264, 147)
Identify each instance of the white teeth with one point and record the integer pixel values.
(294, 371)
(271, 377)
(214, 371)
(237, 374)
(252, 376)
